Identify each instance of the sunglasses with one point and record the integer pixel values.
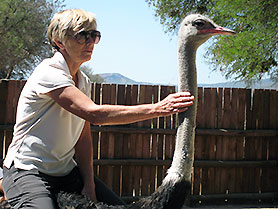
(83, 36)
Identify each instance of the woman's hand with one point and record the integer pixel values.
(89, 191)
(175, 103)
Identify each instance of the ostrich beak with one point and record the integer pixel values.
(218, 30)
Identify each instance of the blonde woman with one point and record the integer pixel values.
(53, 121)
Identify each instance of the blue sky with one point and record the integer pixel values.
(134, 44)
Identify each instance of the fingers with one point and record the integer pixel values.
(176, 102)
(181, 94)
(183, 104)
(177, 95)
(182, 99)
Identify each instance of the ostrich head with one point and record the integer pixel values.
(194, 30)
(197, 29)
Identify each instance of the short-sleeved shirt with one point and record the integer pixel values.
(45, 133)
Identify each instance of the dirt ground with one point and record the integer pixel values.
(235, 207)
(239, 207)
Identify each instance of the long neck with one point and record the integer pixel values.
(187, 66)
(184, 151)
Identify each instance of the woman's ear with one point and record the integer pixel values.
(59, 44)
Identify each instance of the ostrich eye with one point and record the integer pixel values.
(198, 23)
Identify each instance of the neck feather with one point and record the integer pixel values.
(184, 151)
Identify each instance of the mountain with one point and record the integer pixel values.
(117, 78)
(263, 84)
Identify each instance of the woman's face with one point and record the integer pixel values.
(79, 48)
(79, 52)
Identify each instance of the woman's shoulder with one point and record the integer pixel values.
(85, 83)
(84, 77)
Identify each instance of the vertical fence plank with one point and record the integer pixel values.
(3, 109)
(247, 171)
(107, 139)
(268, 183)
(218, 140)
(162, 138)
(211, 123)
(154, 145)
(225, 140)
(273, 144)
(232, 149)
(239, 124)
(169, 139)
(133, 185)
(96, 88)
(208, 144)
(104, 141)
(140, 145)
(253, 145)
(265, 122)
(259, 154)
(112, 172)
(146, 177)
(119, 144)
(258, 122)
(198, 144)
(126, 146)
(272, 184)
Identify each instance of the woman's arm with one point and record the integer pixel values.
(73, 100)
(84, 159)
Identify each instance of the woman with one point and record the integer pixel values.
(52, 146)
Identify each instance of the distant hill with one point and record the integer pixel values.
(117, 78)
(263, 84)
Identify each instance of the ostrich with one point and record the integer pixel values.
(195, 29)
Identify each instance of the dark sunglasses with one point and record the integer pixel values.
(83, 36)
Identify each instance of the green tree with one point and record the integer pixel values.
(90, 73)
(23, 42)
(248, 56)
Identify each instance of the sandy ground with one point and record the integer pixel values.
(239, 207)
(234, 207)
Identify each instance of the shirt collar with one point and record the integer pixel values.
(59, 61)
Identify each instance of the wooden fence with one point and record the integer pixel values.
(236, 145)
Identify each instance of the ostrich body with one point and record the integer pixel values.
(195, 29)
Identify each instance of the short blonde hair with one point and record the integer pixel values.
(67, 22)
